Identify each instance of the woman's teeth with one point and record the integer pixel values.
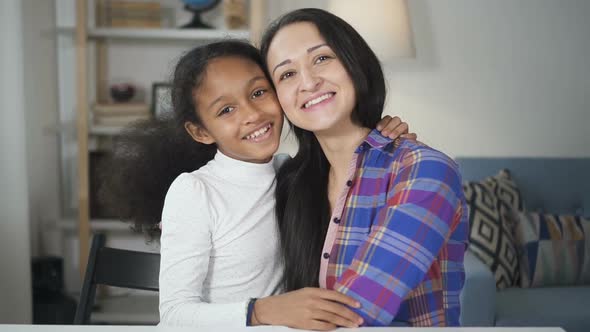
(259, 132)
(318, 100)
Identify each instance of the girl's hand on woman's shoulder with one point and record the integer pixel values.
(394, 128)
(307, 308)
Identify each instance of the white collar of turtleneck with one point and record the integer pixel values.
(242, 172)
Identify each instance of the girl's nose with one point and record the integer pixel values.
(252, 114)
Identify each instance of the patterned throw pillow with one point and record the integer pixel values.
(491, 219)
(554, 250)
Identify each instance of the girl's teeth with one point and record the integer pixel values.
(258, 132)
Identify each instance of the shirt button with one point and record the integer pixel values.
(326, 255)
(349, 183)
(336, 220)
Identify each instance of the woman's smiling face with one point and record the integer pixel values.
(313, 87)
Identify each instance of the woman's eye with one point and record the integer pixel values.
(226, 110)
(286, 75)
(321, 58)
(258, 93)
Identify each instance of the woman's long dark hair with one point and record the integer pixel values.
(303, 209)
(149, 155)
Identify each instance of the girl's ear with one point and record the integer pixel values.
(198, 133)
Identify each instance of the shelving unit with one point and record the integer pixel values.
(87, 35)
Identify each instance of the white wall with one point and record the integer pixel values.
(15, 278)
(497, 78)
(493, 78)
(41, 114)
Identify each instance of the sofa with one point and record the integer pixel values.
(551, 185)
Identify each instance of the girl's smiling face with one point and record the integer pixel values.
(314, 88)
(238, 109)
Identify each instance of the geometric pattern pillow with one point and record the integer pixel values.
(555, 250)
(505, 189)
(491, 205)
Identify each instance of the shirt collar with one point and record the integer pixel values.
(241, 172)
(374, 141)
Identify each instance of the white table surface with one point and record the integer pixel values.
(111, 328)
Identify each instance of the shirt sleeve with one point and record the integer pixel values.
(423, 208)
(186, 242)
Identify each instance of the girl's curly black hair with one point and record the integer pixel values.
(149, 155)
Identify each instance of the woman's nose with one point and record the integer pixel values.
(309, 80)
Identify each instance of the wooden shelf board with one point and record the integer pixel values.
(96, 225)
(162, 34)
(134, 309)
(105, 130)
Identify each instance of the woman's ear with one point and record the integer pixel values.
(198, 133)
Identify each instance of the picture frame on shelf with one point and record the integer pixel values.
(161, 100)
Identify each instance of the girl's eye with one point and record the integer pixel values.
(321, 58)
(258, 93)
(226, 110)
(286, 75)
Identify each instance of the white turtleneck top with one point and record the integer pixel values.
(219, 243)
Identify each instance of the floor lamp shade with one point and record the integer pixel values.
(384, 24)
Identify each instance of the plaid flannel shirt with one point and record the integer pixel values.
(398, 234)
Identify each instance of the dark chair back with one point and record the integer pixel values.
(115, 267)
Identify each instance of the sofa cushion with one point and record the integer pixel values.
(554, 250)
(478, 296)
(566, 307)
(491, 222)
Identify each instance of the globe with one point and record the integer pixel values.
(197, 7)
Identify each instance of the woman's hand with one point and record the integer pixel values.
(307, 308)
(394, 128)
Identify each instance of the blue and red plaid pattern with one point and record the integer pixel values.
(401, 237)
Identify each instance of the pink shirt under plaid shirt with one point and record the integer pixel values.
(398, 234)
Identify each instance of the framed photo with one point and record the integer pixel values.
(161, 100)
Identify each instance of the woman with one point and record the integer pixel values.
(385, 224)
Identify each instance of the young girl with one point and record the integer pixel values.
(384, 224)
(219, 242)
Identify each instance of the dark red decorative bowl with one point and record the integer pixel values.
(122, 92)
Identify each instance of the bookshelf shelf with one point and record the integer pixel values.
(105, 130)
(161, 34)
(169, 34)
(100, 225)
(125, 310)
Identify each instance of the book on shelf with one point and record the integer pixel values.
(120, 109)
(119, 114)
(118, 121)
(129, 14)
(134, 23)
(129, 5)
